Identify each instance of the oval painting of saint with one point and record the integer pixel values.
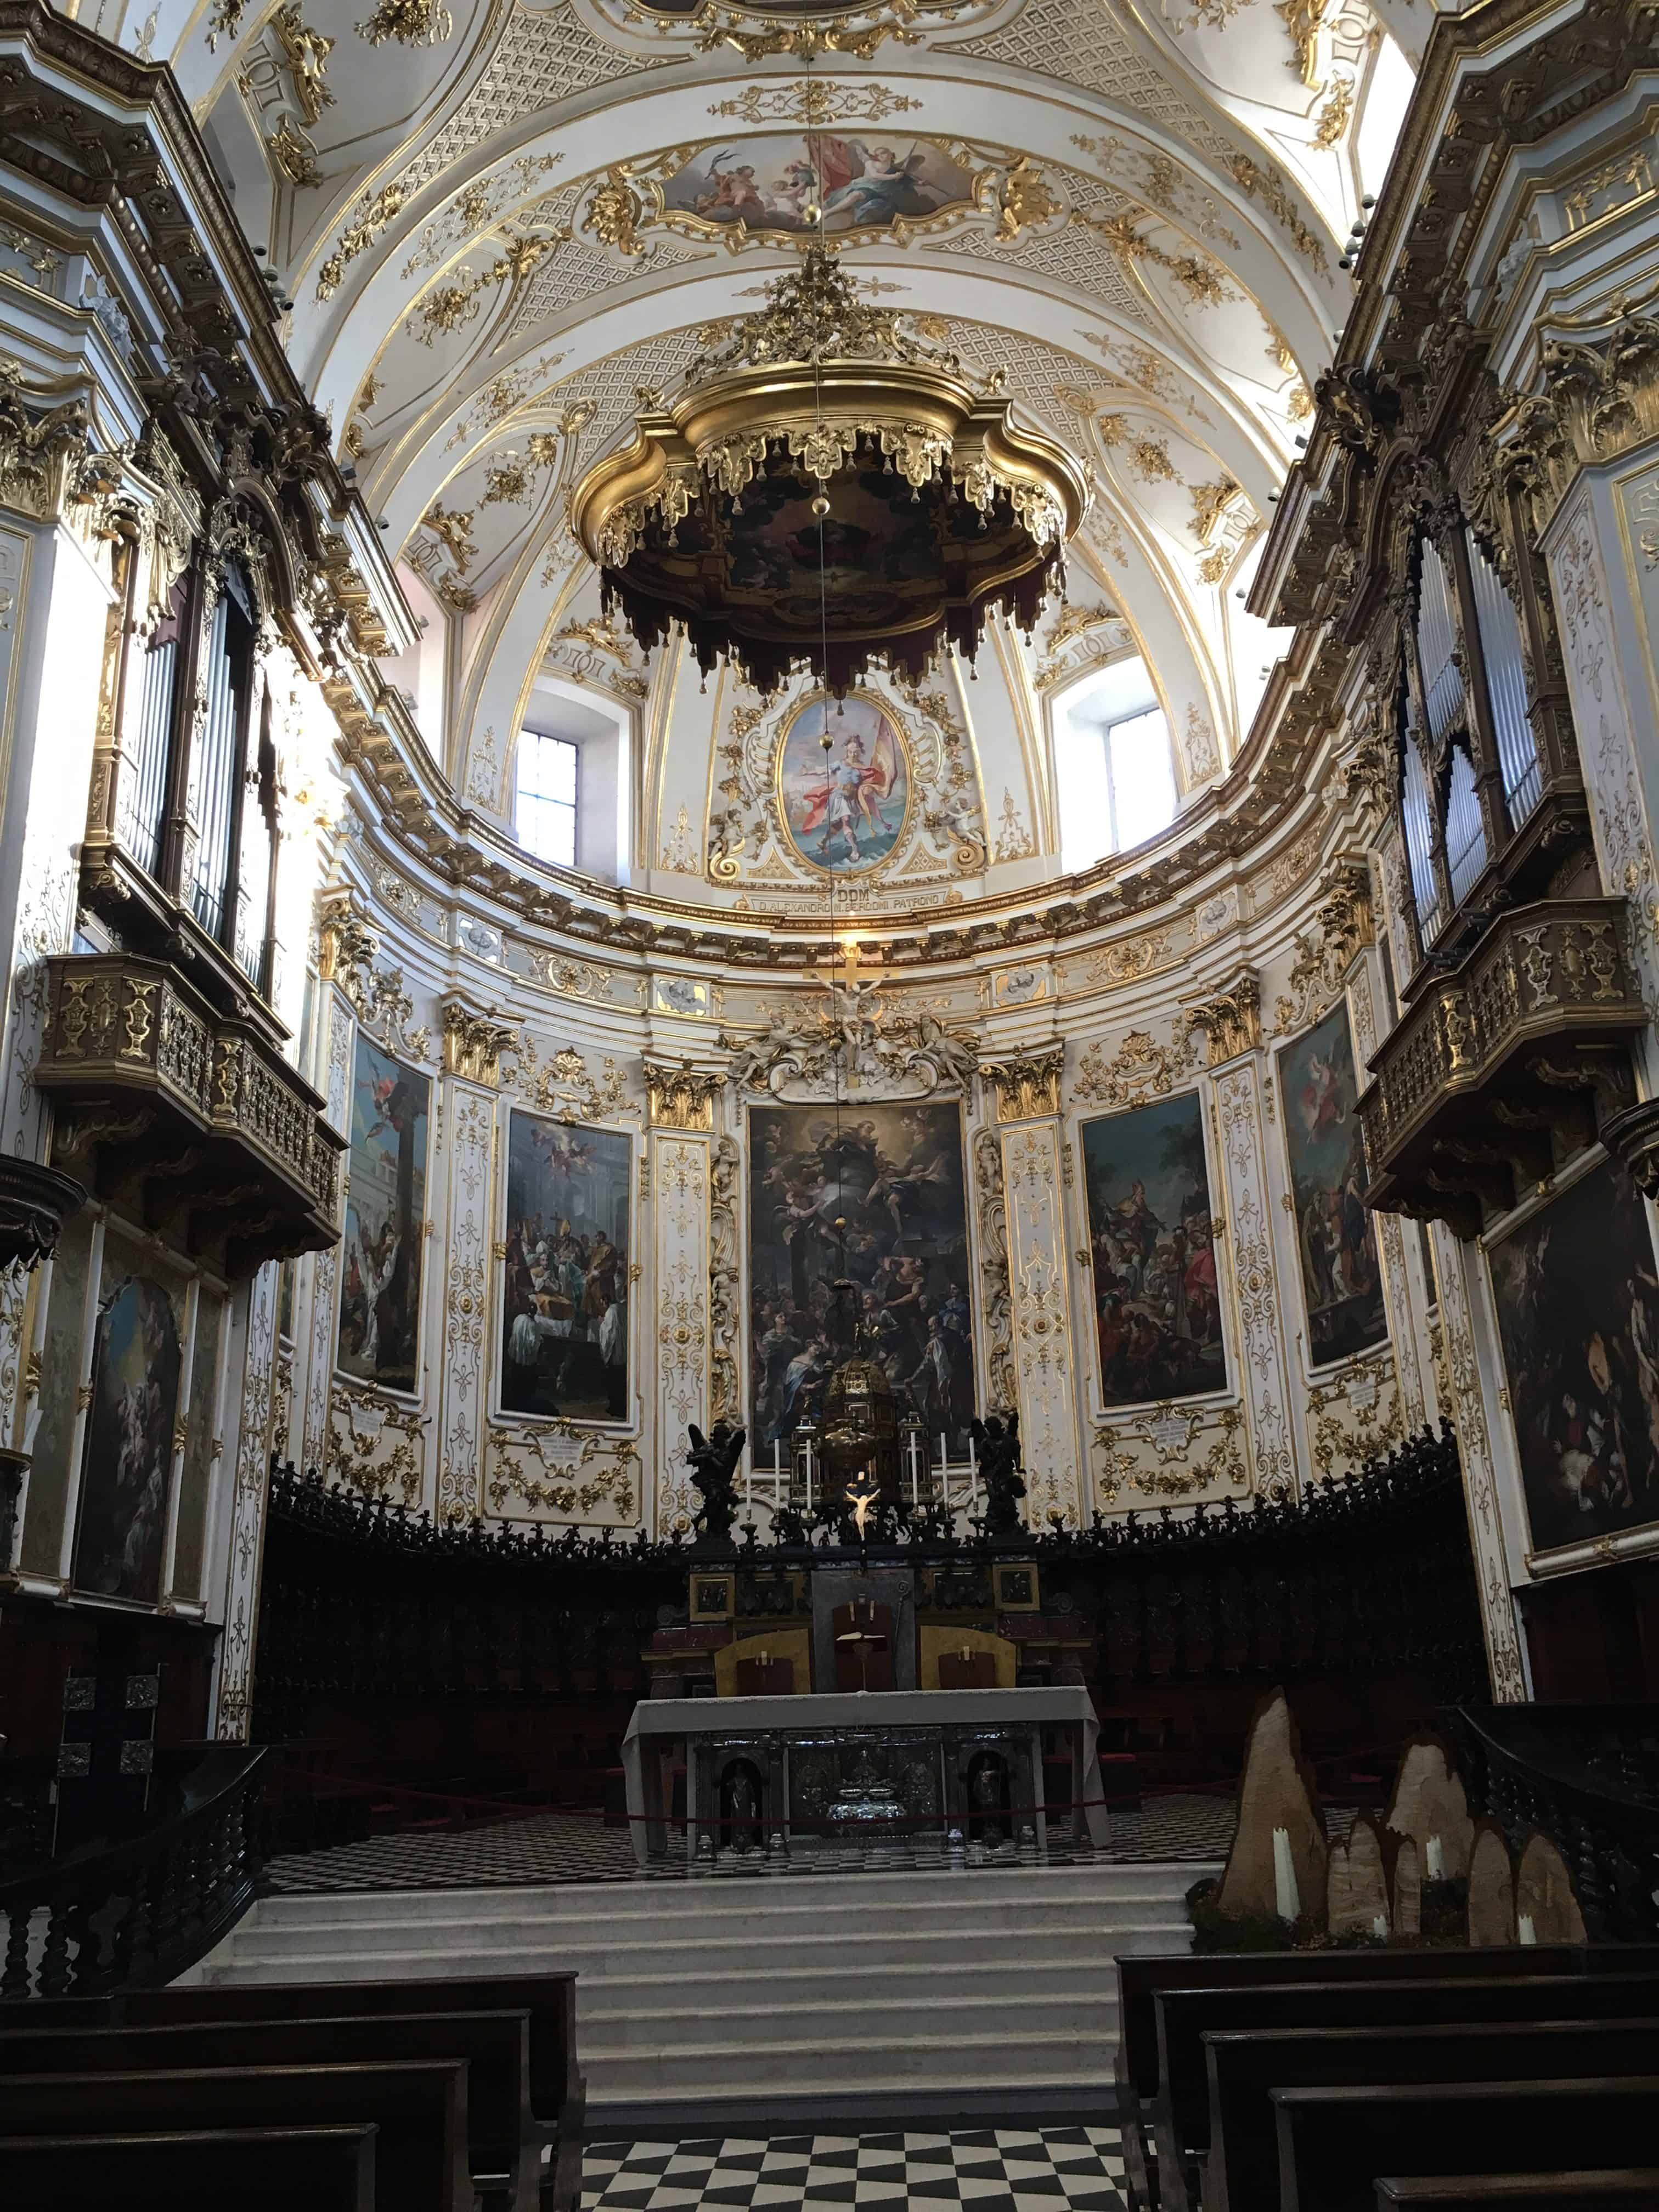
(843, 807)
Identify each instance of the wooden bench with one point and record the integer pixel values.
(420, 2108)
(1140, 1979)
(1334, 2144)
(1181, 2111)
(1241, 2169)
(324, 2169)
(504, 2141)
(558, 2090)
(1634, 2189)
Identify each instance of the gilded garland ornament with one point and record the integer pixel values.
(827, 491)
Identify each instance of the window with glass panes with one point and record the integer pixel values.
(545, 813)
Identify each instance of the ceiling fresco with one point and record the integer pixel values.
(499, 221)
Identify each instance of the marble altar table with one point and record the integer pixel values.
(850, 1767)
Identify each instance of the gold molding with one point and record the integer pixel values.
(473, 1043)
(1231, 1018)
(1026, 1085)
(680, 1097)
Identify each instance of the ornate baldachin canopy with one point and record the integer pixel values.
(827, 490)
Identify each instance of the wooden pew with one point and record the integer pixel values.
(1140, 1979)
(1636, 2189)
(324, 2169)
(504, 2142)
(1181, 2111)
(557, 2090)
(1335, 2144)
(420, 2107)
(1241, 2169)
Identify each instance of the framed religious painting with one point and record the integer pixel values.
(844, 803)
(126, 1483)
(385, 1249)
(1335, 1237)
(874, 1196)
(1152, 1253)
(564, 1271)
(1575, 1294)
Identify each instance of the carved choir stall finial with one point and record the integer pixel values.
(680, 1097)
(996, 1441)
(1026, 1085)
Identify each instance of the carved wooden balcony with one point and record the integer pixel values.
(1504, 1066)
(191, 1120)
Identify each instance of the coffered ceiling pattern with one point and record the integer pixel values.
(498, 222)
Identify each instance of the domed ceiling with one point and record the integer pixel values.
(499, 223)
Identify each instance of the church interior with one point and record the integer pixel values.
(828, 1104)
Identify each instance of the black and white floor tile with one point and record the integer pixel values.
(564, 1847)
(1035, 2169)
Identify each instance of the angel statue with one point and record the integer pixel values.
(714, 1459)
(998, 1448)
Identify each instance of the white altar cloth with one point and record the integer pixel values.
(1066, 1705)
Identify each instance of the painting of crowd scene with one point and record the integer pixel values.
(894, 1175)
(1341, 1280)
(1577, 1300)
(564, 1311)
(766, 184)
(386, 1213)
(1157, 1306)
(129, 1451)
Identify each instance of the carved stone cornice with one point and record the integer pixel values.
(1025, 1085)
(1600, 401)
(473, 1043)
(1230, 1020)
(682, 1096)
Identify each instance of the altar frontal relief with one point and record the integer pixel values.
(129, 1449)
(1157, 1313)
(1342, 1281)
(564, 1306)
(385, 1222)
(894, 1173)
(844, 806)
(1577, 1304)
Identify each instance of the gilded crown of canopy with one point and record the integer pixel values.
(827, 490)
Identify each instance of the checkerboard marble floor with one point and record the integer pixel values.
(564, 1847)
(1035, 2169)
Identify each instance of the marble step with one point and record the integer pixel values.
(698, 1963)
(848, 1898)
(762, 2009)
(970, 2055)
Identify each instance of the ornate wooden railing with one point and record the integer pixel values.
(1508, 1063)
(1588, 1777)
(135, 1915)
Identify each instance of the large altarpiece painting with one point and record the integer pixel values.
(564, 1307)
(137, 1362)
(1577, 1295)
(894, 1175)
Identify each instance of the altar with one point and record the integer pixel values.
(762, 1775)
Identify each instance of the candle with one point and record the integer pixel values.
(777, 1460)
(1436, 1859)
(1525, 1931)
(1380, 1925)
(1287, 1902)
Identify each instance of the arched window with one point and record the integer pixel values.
(1114, 765)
